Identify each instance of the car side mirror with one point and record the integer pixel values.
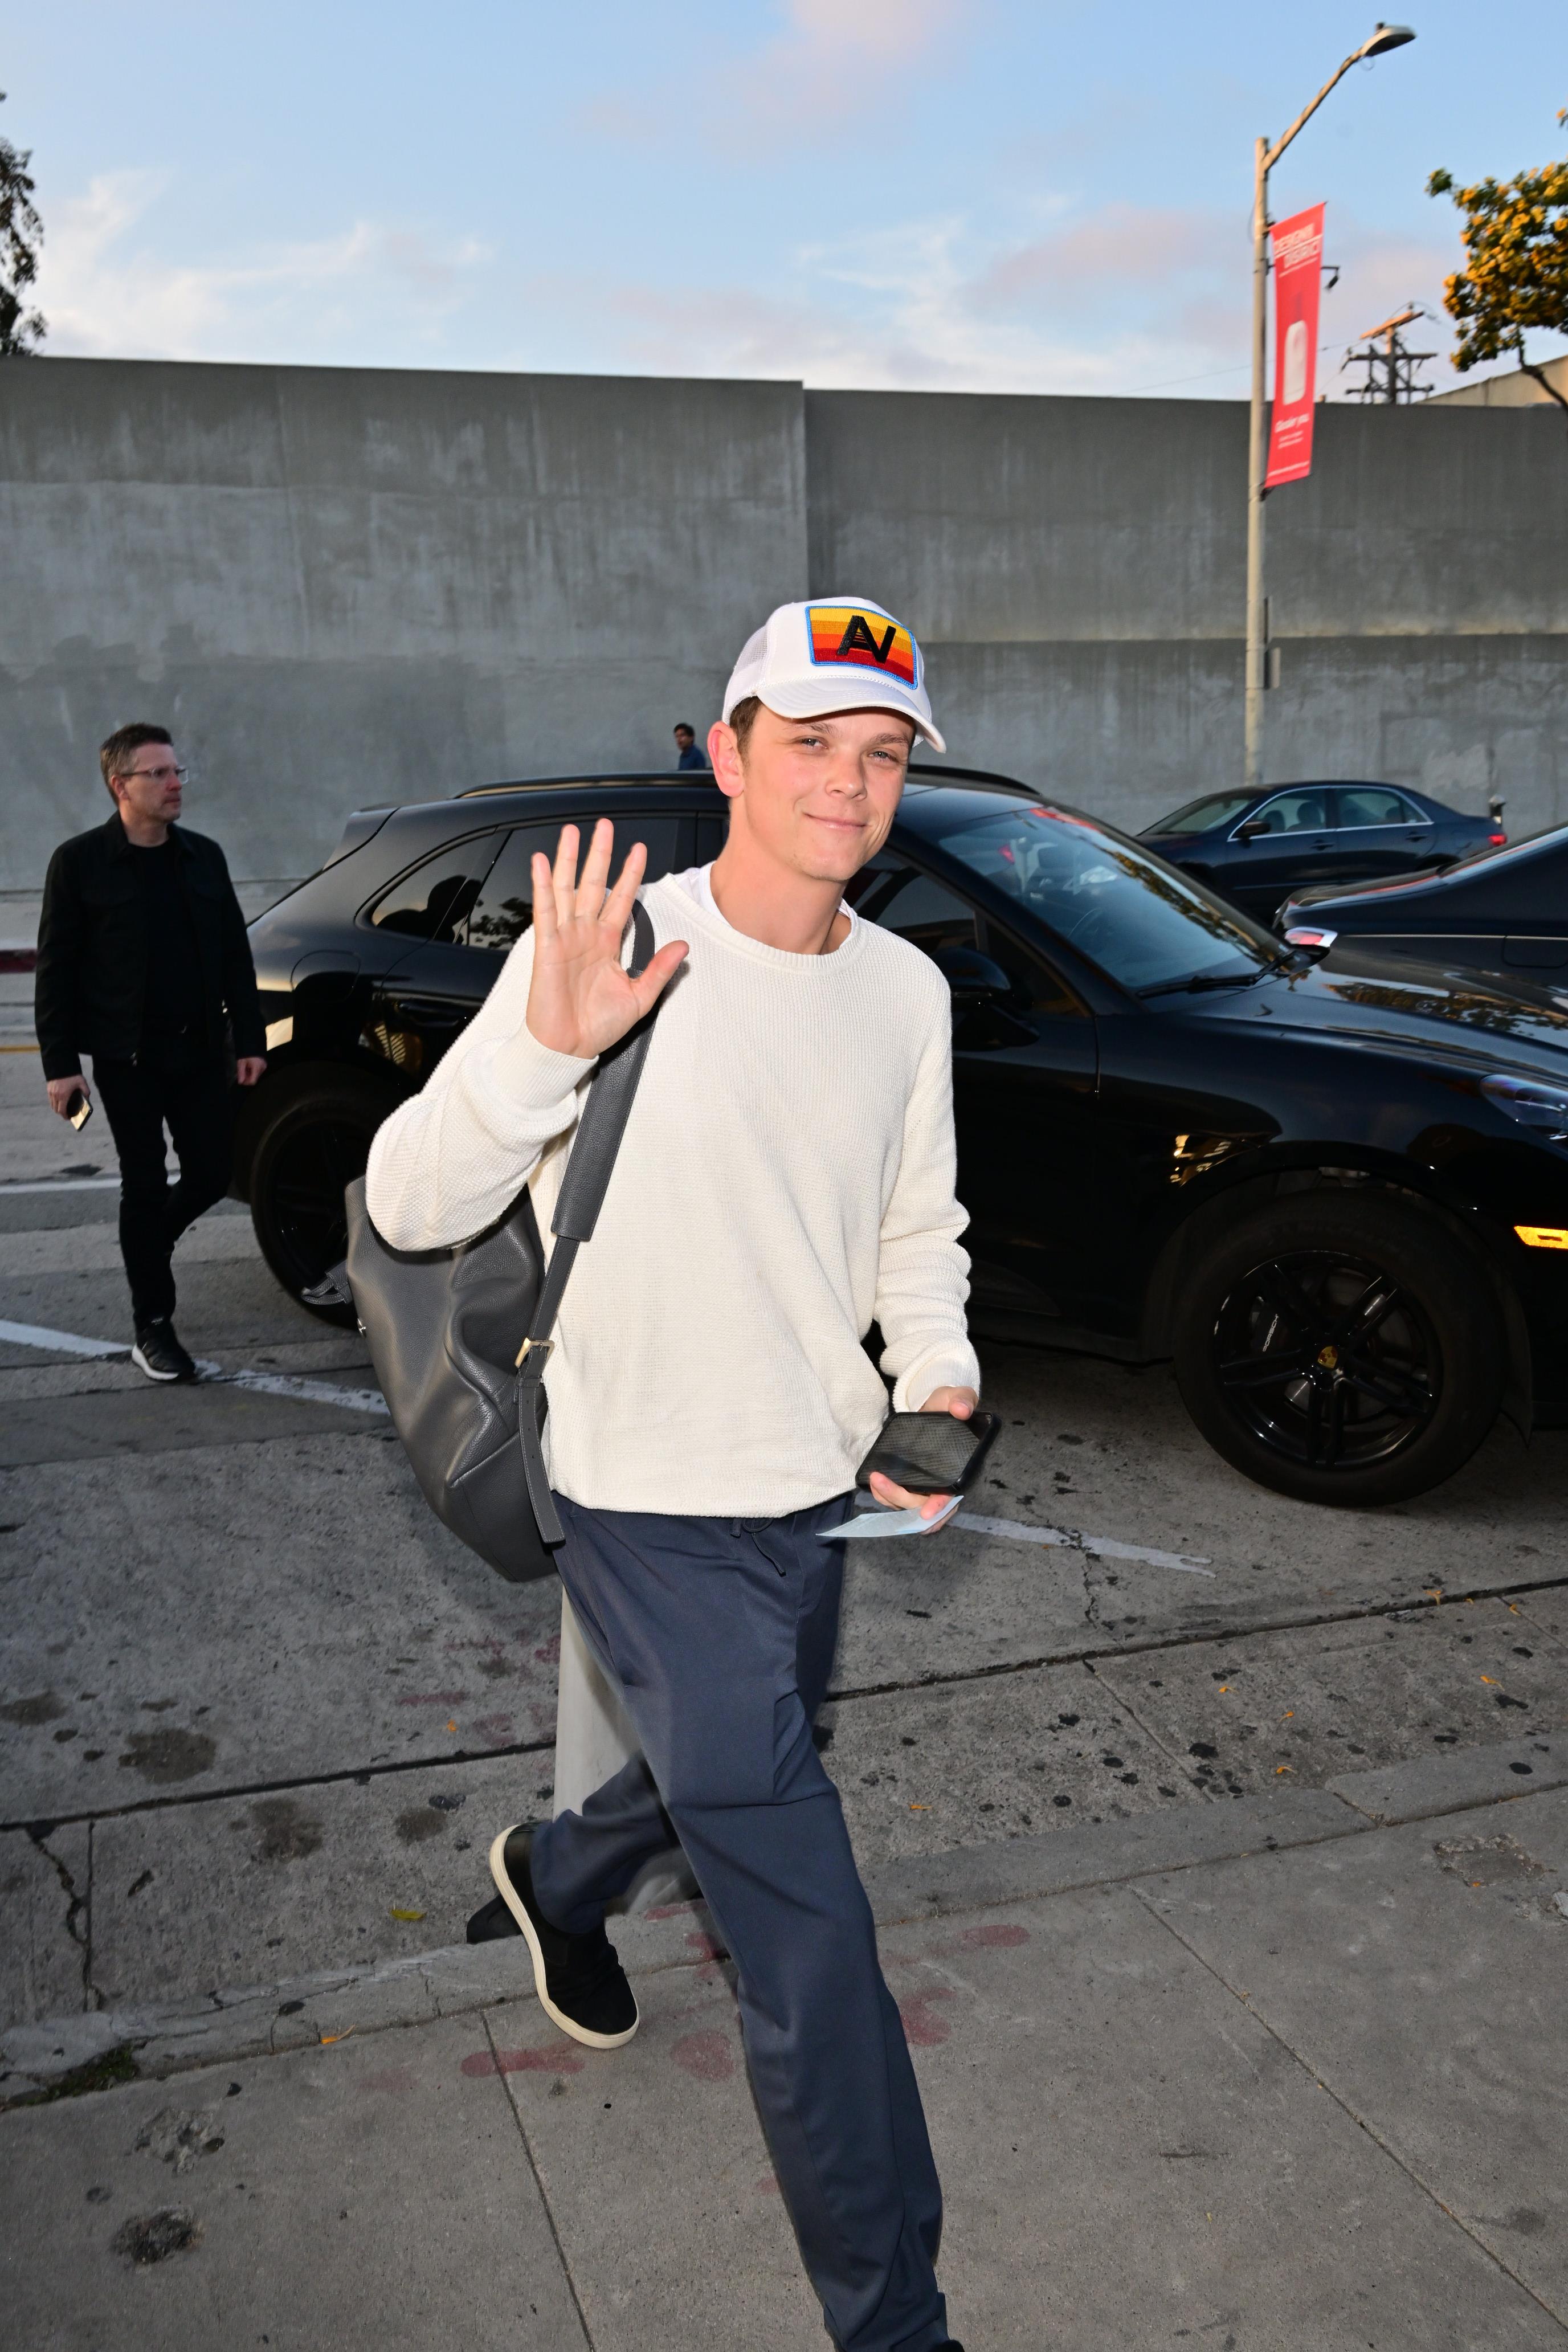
(972, 977)
(1250, 829)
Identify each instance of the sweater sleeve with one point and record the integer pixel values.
(449, 1161)
(922, 1280)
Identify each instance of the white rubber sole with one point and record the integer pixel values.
(140, 1360)
(507, 1894)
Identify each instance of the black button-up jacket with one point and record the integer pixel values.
(91, 980)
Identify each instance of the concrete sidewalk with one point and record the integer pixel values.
(1284, 2072)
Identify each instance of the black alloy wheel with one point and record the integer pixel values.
(310, 1149)
(1342, 1346)
(1328, 1359)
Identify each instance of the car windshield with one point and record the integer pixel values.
(1139, 919)
(1211, 815)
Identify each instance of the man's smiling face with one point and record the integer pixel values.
(818, 795)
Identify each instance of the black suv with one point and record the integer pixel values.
(1336, 1192)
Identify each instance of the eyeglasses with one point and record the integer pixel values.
(156, 775)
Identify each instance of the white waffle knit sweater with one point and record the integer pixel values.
(786, 1177)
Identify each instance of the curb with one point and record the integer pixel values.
(96, 2048)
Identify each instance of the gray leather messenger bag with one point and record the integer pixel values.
(444, 1326)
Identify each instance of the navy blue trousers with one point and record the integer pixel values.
(721, 1635)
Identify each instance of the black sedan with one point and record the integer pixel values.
(1255, 848)
(1337, 1195)
(1505, 912)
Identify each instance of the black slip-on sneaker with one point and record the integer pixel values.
(159, 1354)
(579, 1981)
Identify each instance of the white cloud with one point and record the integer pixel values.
(828, 60)
(106, 289)
(1111, 301)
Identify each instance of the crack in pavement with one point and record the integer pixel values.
(78, 1920)
(1205, 1638)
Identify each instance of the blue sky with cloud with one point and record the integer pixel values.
(1005, 195)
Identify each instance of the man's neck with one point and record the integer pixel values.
(772, 903)
(144, 832)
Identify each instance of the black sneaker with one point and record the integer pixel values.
(159, 1354)
(579, 1981)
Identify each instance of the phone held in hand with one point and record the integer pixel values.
(78, 1111)
(930, 1453)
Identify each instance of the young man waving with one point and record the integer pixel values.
(786, 1178)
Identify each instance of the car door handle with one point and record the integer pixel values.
(1418, 832)
(430, 1012)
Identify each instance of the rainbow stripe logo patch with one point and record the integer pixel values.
(840, 636)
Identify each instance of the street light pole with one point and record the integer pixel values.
(1257, 607)
(1385, 38)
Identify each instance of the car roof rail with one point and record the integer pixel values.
(987, 777)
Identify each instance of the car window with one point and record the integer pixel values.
(926, 913)
(1372, 804)
(899, 898)
(1311, 811)
(435, 900)
(1138, 920)
(1211, 815)
(505, 907)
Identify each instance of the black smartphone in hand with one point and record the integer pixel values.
(78, 1111)
(930, 1453)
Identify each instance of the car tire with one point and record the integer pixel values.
(312, 1144)
(1341, 1347)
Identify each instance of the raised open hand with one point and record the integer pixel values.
(580, 1000)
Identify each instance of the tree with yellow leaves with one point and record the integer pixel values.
(1515, 277)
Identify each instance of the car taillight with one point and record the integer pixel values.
(1497, 841)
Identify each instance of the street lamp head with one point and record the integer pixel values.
(1386, 38)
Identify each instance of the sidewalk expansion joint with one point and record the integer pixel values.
(1352, 2114)
(43, 1824)
(1203, 1637)
(539, 2184)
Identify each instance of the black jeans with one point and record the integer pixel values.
(188, 1092)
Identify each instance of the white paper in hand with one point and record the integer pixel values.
(881, 1521)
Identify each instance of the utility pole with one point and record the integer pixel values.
(1385, 38)
(1391, 370)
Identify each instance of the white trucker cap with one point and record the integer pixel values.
(835, 653)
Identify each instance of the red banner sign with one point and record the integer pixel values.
(1298, 283)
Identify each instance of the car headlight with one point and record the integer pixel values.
(1532, 1102)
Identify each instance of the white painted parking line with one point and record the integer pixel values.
(65, 1184)
(309, 1391)
(1103, 1547)
(280, 1385)
(59, 1343)
(304, 1391)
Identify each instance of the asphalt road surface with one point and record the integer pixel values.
(260, 1714)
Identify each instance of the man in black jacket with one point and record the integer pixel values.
(143, 963)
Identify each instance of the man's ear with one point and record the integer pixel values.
(724, 758)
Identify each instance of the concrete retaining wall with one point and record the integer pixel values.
(339, 586)
(1074, 569)
(347, 585)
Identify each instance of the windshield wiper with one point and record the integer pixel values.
(1196, 981)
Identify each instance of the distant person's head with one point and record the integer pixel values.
(820, 717)
(685, 735)
(141, 772)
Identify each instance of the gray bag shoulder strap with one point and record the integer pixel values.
(588, 1168)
